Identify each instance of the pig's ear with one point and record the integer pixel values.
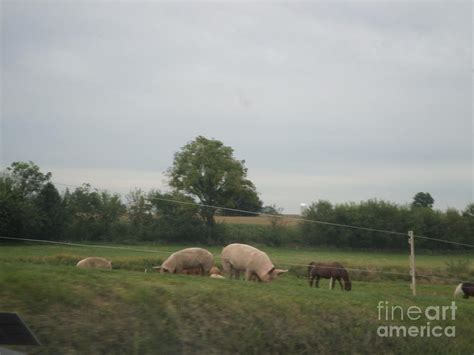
(280, 271)
(271, 270)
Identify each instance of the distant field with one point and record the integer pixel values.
(260, 220)
(128, 311)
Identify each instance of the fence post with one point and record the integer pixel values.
(411, 241)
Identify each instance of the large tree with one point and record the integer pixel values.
(27, 177)
(50, 209)
(20, 186)
(206, 170)
(423, 199)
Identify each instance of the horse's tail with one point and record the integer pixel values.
(458, 291)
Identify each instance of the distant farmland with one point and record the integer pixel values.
(286, 220)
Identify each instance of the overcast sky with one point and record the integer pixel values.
(342, 101)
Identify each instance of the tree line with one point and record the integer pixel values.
(452, 225)
(32, 207)
(205, 171)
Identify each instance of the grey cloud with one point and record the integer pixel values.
(295, 88)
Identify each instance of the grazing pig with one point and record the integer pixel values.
(95, 262)
(255, 263)
(190, 258)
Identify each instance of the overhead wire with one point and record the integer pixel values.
(301, 219)
(218, 257)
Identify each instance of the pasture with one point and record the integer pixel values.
(128, 311)
(285, 220)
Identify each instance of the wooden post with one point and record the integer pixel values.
(411, 241)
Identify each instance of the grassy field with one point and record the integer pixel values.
(143, 256)
(131, 312)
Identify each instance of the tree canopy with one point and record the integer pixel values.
(423, 199)
(206, 170)
(27, 177)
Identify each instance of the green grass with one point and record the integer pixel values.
(135, 257)
(124, 311)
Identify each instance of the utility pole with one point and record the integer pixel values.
(411, 241)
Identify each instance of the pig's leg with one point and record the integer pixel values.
(227, 267)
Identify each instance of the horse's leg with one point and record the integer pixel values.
(311, 280)
(317, 281)
(340, 283)
(331, 283)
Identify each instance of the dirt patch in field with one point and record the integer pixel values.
(260, 220)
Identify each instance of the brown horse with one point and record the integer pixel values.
(333, 271)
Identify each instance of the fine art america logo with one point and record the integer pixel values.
(427, 316)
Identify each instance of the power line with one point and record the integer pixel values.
(283, 216)
(268, 214)
(219, 257)
(301, 219)
(83, 245)
(444, 241)
(312, 221)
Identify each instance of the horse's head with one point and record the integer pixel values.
(347, 285)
